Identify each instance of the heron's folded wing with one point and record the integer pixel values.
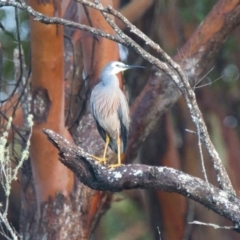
(123, 114)
(101, 131)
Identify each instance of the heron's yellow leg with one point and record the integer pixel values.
(103, 159)
(105, 149)
(118, 154)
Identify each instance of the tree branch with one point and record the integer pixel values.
(56, 20)
(100, 177)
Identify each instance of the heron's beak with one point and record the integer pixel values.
(133, 66)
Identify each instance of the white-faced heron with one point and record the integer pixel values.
(110, 110)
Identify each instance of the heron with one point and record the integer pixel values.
(110, 110)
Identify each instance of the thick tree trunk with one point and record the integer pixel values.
(49, 178)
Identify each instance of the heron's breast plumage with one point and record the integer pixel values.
(106, 102)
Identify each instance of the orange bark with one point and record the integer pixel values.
(50, 176)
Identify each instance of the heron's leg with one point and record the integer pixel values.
(103, 159)
(105, 149)
(118, 153)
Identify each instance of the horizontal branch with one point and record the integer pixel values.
(100, 177)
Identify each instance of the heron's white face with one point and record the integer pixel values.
(115, 67)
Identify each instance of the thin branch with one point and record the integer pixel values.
(215, 226)
(55, 20)
(100, 177)
(201, 156)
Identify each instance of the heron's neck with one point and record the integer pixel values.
(110, 80)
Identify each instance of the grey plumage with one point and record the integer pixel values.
(110, 108)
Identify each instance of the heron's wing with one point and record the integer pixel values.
(101, 131)
(123, 115)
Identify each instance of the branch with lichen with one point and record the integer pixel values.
(132, 176)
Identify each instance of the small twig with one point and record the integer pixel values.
(215, 226)
(202, 78)
(159, 232)
(200, 151)
(12, 232)
(191, 131)
(201, 156)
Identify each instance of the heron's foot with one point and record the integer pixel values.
(115, 165)
(100, 160)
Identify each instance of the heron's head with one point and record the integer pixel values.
(116, 67)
